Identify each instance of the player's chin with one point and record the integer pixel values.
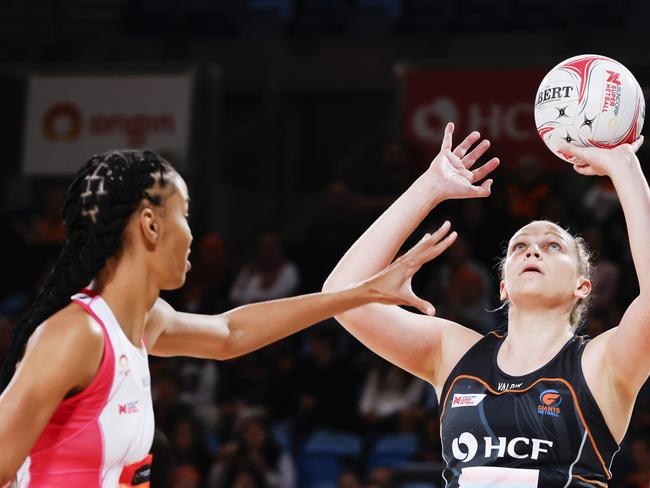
(176, 281)
(541, 295)
(528, 291)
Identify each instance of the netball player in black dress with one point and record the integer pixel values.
(537, 406)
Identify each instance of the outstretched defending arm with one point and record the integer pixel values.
(250, 327)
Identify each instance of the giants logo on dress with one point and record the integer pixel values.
(549, 403)
(128, 407)
(466, 400)
(465, 447)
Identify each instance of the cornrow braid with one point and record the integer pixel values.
(103, 195)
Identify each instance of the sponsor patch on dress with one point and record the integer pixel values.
(466, 400)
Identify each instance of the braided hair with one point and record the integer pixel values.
(103, 195)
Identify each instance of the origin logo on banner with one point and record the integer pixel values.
(496, 102)
(70, 118)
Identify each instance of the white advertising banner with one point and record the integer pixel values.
(71, 118)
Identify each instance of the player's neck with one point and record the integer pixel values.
(534, 338)
(124, 287)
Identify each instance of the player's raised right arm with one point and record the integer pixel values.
(411, 341)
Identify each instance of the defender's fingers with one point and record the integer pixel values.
(437, 249)
(441, 231)
(427, 242)
(423, 305)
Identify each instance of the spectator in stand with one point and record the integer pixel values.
(641, 416)
(462, 286)
(528, 190)
(429, 446)
(469, 298)
(270, 275)
(166, 391)
(388, 396)
(32, 237)
(199, 382)
(246, 385)
(46, 228)
(326, 388)
(605, 274)
(245, 476)
(381, 477)
(188, 446)
(472, 215)
(11, 308)
(348, 479)
(254, 448)
(601, 201)
(640, 477)
(554, 209)
(186, 476)
(208, 282)
(161, 466)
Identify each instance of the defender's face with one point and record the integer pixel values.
(176, 237)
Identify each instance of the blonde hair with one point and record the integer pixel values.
(584, 260)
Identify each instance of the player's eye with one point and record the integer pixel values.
(518, 246)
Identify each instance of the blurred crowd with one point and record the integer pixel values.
(318, 407)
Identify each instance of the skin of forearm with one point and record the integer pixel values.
(258, 324)
(381, 242)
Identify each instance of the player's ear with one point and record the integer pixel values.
(583, 288)
(149, 225)
(503, 292)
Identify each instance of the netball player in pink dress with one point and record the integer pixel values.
(76, 403)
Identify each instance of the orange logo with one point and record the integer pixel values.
(550, 398)
(62, 122)
(549, 403)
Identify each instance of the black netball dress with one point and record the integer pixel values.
(542, 429)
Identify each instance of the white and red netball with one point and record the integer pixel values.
(589, 100)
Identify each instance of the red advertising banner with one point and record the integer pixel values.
(496, 102)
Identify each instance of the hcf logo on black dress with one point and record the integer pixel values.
(466, 447)
(542, 429)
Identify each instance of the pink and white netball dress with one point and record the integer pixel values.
(93, 435)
